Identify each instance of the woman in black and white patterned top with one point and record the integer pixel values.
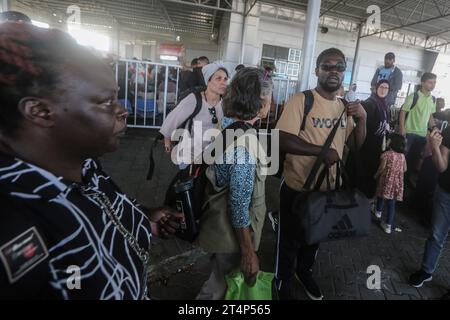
(66, 230)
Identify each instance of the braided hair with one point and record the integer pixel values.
(32, 62)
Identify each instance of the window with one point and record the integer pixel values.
(268, 51)
(281, 53)
(292, 69)
(276, 53)
(294, 55)
(285, 60)
(280, 67)
(410, 73)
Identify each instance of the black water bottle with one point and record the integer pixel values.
(184, 190)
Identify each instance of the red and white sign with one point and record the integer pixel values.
(168, 49)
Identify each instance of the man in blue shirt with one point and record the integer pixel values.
(391, 73)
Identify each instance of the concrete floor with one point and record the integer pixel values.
(179, 269)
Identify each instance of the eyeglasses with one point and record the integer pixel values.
(340, 67)
(214, 119)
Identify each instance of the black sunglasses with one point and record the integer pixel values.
(214, 119)
(340, 67)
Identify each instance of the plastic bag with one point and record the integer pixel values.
(239, 290)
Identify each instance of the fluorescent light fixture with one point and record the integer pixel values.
(40, 24)
(169, 58)
(91, 39)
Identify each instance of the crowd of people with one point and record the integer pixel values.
(384, 147)
(60, 209)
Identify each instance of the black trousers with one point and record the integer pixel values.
(293, 254)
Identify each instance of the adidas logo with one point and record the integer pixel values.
(343, 229)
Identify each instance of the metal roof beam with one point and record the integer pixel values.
(438, 33)
(438, 45)
(159, 27)
(247, 12)
(153, 31)
(203, 4)
(423, 11)
(332, 7)
(407, 25)
(393, 6)
(177, 28)
(276, 5)
(286, 4)
(398, 16)
(104, 8)
(437, 7)
(163, 7)
(414, 11)
(142, 19)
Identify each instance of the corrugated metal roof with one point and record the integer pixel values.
(200, 19)
(137, 15)
(417, 16)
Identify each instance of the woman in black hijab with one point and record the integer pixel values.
(378, 117)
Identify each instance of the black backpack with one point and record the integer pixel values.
(414, 103)
(416, 99)
(190, 184)
(197, 91)
(186, 124)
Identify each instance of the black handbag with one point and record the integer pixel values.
(337, 214)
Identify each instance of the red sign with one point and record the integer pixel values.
(168, 49)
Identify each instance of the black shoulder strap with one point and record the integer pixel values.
(159, 137)
(309, 102)
(322, 154)
(151, 168)
(238, 125)
(197, 169)
(198, 107)
(234, 126)
(415, 100)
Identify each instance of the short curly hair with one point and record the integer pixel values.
(242, 99)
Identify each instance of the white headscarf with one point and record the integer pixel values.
(209, 70)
